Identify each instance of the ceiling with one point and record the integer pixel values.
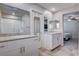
(57, 6)
(7, 10)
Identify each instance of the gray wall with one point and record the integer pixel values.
(71, 27)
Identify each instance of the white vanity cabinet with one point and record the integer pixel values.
(56, 39)
(23, 47)
(31, 47)
(34, 45)
(51, 40)
(10, 48)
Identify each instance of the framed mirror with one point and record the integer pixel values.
(54, 25)
(14, 21)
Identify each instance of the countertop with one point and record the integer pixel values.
(51, 32)
(17, 37)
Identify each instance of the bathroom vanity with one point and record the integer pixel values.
(15, 32)
(52, 36)
(26, 45)
(51, 40)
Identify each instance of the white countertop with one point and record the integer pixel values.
(52, 32)
(11, 38)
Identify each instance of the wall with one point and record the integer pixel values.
(71, 27)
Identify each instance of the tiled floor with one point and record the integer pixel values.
(69, 49)
(72, 45)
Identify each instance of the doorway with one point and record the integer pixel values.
(71, 22)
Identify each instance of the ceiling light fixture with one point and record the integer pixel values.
(53, 9)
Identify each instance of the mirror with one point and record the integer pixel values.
(13, 21)
(54, 25)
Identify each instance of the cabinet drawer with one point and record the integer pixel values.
(31, 46)
(13, 52)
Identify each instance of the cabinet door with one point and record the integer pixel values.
(26, 47)
(31, 47)
(55, 41)
(11, 48)
(35, 47)
(59, 38)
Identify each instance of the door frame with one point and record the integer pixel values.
(63, 21)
